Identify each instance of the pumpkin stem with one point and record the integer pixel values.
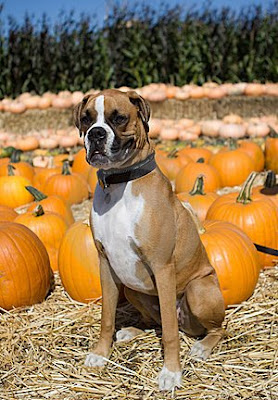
(270, 181)
(195, 218)
(15, 156)
(39, 211)
(66, 169)
(38, 196)
(7, 151)
(273, 133)
(11, 170)
(232, 143)
(244, 196)
(198, 187)
(201, 160)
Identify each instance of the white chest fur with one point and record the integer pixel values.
(115, 215)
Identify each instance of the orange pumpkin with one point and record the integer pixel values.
(54, 204)
(7, 213)
(79, 264)
(254, 151)
(195, 153)
(50, 229)
(199, 200)
(27, 143)
(71, 187)
(271, 153)
(187, 176)
(43, 174)
(234, 166)
(172, 163)
(80, 164)
(26, 276)
(225, 245)
(12, 190)
(22, 168)
(256, 215)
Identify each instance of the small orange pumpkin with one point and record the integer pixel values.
(54, 204)
(22, 168)
(171, 164)
(12, 189)
(234, 166)
(199, 200)
(187, 176)
(50, 229)
(71, 187)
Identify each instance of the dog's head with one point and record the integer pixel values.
(114, 125)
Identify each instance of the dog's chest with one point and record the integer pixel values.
(115, 215)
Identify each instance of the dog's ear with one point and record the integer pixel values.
(77, 112)
(142, 106)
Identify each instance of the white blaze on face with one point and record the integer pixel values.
(100, 122)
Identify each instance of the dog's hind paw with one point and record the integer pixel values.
(126, 334)
(199, 351)
(94, 360)
(168, 380)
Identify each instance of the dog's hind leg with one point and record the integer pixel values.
(147, 305)
(203, 310)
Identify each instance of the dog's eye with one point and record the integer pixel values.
(86, 119)
(120, 119)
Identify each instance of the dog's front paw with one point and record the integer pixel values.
(94, 360)
(199, 351)
(168, 380)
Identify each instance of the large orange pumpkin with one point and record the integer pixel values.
(234, 258)
(79, 264)
(50, 229)
(54, 204)
(199, 200)
(187, 176)
(71, 187)
(21, 168)
(256, 215)
(234, 166)
(25, 274)
(12, 190)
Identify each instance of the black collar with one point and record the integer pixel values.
(135, 171)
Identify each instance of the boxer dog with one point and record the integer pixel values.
(145, 238)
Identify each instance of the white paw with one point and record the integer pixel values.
(199, 351)
(168, 380)
(94, 360)
(124, 335)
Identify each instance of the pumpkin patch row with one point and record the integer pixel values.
(155, 92)
(49, 191)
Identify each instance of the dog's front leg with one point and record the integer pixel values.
(110, 296)
(170, 376)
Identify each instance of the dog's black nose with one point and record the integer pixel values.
(97, 133)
